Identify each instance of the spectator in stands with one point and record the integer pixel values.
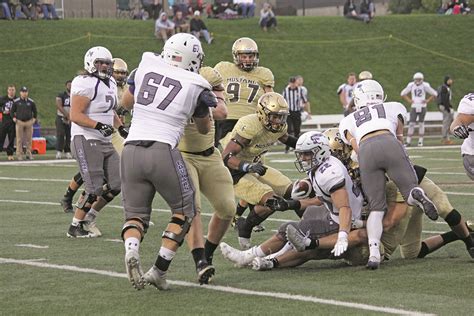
(445, 106)
(7, 126)
(247, 7)
(458, 7)
(164, 28)
(306, 114)
(24, 115)
(6, 9)
(198, 27)
(293, 95)
(345, 93)
(153, 8)
(350, 12)
(195, 5)
(267, 17)
(28, 7)
(181, 23)
(63, 124)
(48, 8)
(367, 9)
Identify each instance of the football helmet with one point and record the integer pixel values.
(339, 149)
(120, 71)
(184, 51)
(418, 76)
(368, 92)
(245, 45)
(272, 111)
(364, 75)
(95, 58)
(312, 149)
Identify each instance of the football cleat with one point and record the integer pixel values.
(373, 263)
(420, 144)
(134, 270)
(296, 238)
(258, 229)
(154, 278)
(66, 204)
(205, 272)
(78, 232)
(239, 258)
(68, 156)
(262, 264)
(92, 228)
(244, 243)
(426, 205)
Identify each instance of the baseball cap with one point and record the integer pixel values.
(24, 89)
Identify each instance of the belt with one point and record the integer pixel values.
(141, 143)
(374, 133)
(205, 153)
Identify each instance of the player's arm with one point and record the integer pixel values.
(288, 140)
(220, 111)
(235, 146)
(127, 97)
(79, 106)
(340, 199)
(202, 117)
(342, 98)
(352, 141)
(404, 94)
(400, 125)
(267, 89)
(60, 107)
(432, 92)
(459, 127)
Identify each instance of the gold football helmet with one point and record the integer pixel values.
(120, 71)
(364, 75)
(272, 111)
(245, 53)
(339, 149)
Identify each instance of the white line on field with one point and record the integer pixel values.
(34, 179)
(21, 191)
(114, 240)
(37, 162)
(227, 289)
(32, 246)
(446, 173)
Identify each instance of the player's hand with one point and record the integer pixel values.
(105, 129)
(123, 131)
(279, 204)
(341, 244)
(257, 167)
(296, 193)
(461, 131)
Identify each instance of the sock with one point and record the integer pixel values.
(69, 193)
(131, 243)
(374, 232)
(240, 209)
(275, 262)
(250, 222)
(449, 237)
(198, 255)
(468, 241)
(164, 258)
(424, 250)
(313, 243)
(257, 251)
(91, 215)
(209, 249)
(76, 221)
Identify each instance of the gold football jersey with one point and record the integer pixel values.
(192, 141)
(120, 91)
(243, 88)
(261, 139)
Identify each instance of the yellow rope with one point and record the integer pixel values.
(43, 47)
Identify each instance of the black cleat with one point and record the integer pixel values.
(205, 272)
(66, 203)
(428, 207)
(471, 252)
(373, 263)
(78, 232)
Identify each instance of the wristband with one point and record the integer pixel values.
(342, 234)
(244, 166)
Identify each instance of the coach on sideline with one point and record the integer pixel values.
(24, 115)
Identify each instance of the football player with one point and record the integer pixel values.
(212, 178)
(93, 100)
(254, 182)
(345, 93)
(418, 101)
(463, 128)
(166, 91)
(375, 132)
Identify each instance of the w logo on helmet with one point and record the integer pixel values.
(316, 139)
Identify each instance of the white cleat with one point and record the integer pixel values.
(92, 228)
(418, 197)
(154, 278)
(262, 264)
(296, 238)
(239, 258)
(245, 243)
(134, 270)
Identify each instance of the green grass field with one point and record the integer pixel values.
(44, 54)
(78, 277)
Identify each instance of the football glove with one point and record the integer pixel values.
(123, 131)
(256, 167)
(105, 129)
(461, 131)
(341, 244)
(279, 204)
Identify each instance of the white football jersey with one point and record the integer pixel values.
(165, 99)
(330, 176)
(418, 93)
(466, 106)
(102, 105)
(349, 91)
(372, 118)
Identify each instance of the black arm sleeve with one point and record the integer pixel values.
(35, 112)
(291, 141)
(206, 100)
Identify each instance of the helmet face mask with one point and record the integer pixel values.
(339, 149)
(245, 53)
(98, 62)
(184, 51)
(368, 92)
(272, 111)
(312, 149)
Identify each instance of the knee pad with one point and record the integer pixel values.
(128, 226)
(453, 218)
(78, 179)
(109, 194)
(185, 225)
(86, 202)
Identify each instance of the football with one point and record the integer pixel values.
(302, 189)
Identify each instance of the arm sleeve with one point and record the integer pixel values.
(206, 100)
(34, 110)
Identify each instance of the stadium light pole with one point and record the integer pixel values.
(92, 9)
(304, 8)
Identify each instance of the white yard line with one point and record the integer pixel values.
(32, 246)
(114, 240)
(34, 179)
(38, 162)
(446, 173)
(226, 289)
(21, 191)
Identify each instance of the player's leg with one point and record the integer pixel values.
(411, 126)
(20, 134)
(90, 158)
(11, 137)
(280, 183)
(117, 142)
(74, 185)
(60, 135)
(411, 243)
(291, 127)
(421, 120)
(468, 162)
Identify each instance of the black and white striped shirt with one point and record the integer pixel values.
(295, 98)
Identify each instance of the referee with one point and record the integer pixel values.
(296, 100)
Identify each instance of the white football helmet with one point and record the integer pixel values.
(96, 55)
(312, 149)
(418, 76)
(184, 51)
(368, 92)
